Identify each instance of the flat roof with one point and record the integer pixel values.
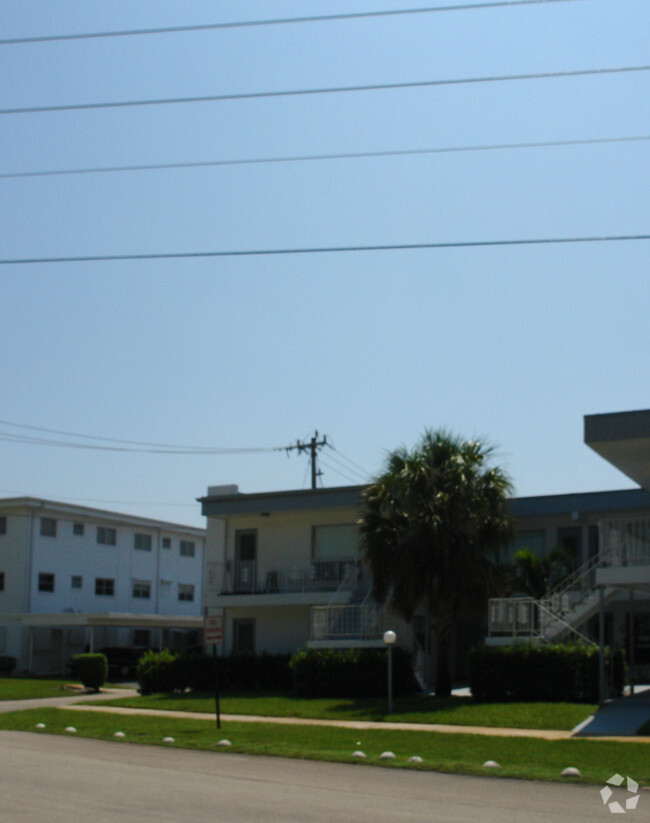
(72, 510)
(261, 502)
(623, 439)
(350, 496)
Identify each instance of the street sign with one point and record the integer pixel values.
(213, 630)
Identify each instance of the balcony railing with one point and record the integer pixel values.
(346, 622)
(628, 541)
(254, 577)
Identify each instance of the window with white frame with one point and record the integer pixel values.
(166, 542)
(45, 582)
(2, 581)
(141, 589)
(48, 527)
(78, 529)
(186, 592)
(142, 542)
(105, 586)
(3, 524)
(187, 548)
(106, 536)
(76, 581)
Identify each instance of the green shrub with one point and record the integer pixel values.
(350, 673)
(168, 672)
(158, 672)
(91, 669)
(558, 672)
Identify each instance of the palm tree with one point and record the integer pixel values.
(428, 525)
(536, 575)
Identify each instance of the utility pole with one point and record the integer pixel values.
(312, 447)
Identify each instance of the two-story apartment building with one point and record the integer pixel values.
(284, 569)
(73, 578)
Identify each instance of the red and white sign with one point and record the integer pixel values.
(213, 630)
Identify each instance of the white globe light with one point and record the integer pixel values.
(389, 637)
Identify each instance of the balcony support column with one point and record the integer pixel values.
(601, 645)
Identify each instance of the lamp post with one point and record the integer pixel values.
(389, 639)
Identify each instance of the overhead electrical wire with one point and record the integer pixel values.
(256, 95)
(463, 244)
(318, 157)
(321, 18)
(118, 444)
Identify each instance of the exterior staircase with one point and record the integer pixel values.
(565, 609)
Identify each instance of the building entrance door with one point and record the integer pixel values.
(245, 560)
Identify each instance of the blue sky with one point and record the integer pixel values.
(512, 343)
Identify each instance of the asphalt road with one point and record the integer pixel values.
(63, 779)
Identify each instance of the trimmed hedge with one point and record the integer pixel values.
(91, 669)
(168, 672)
(7, 664)
(554, 673)
(310, 673)
(350, 673)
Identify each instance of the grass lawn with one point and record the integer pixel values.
(460, 753)
(16, 688)
(457, 711)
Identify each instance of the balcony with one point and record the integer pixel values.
(340, 626)
(252, 582)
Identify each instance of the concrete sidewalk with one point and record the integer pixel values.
(617, 720)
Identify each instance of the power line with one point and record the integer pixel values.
(339, 156)
(120, 445)
(324, 250)
(108, 439)
(322, 18)
(364, 472)
(338, 471)
(256, 95)
(344, 467)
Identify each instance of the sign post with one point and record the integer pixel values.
(213, 636)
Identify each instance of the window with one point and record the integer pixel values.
(142, 589)
(45, 582)
(186, 592)
(3, 525)
(105, 586)
(187, 548)
(243, 636)
(141, 637)
(2, 581)
(48, 527)
(166, 542)
(75, 581)
(78, 529)
(165, 589)
(142, 542)
(106, 536)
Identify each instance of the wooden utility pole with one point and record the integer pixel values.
(312, 447)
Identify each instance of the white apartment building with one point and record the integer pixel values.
(74, 578)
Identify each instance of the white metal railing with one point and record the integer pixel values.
(515, 616)
(346, 622)
(627, 540)
(255, 577)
